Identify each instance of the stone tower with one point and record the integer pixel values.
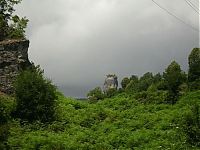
(13, 58)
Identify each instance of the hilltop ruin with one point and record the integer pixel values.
(13, 58)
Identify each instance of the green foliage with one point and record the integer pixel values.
(183, 89)
(135, 118)
(173, 77)
(3, 28)
(153, 97)
(95, 95)
(125, 82)
(134, 78)
(132, 87)
(35, 96)
(194, 69)
(191, 125)
(11, 26)
(120, 122)
(111, 92)
(17, 28)
(142, 84)
(157, 78)
(7, 106)
(145, 81)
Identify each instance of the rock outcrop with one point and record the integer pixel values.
(111, 82)
(13, 58)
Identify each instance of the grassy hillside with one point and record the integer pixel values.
(120, 122)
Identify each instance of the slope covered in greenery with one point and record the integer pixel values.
(120, 122)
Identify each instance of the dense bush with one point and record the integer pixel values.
(194, 69)
(154, 97)
(119, 122)
(95, 95)
(191, 125)
(111, 92)
(35, 96)
(7, 106)
(138, 85)
(132, 87)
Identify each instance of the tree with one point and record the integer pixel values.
(173, 77)
(35, 96)
(194, 69)
(125, 82)
(132, 86)
(145, 81)
(3, 28)
(157, 78)
(11, 26)
(95, 95)
(134, 78)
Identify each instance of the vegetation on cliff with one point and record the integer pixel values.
(11, 26)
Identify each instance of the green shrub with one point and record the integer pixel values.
(119, 122)
(95, 95)
(194, 69)
(35, 96)
(111, 92)
(7, 106)
(191, 125)
(155, 97)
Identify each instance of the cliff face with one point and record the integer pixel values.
(13, 58)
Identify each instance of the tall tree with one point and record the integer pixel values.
(173, 77)
(194, 69)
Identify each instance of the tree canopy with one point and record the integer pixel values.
(11, 26)
(194, 69)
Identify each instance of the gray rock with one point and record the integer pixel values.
(111, 82)
(13, 58)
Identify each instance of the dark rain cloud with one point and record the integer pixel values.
(78, 42)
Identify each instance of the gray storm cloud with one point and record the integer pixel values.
(78, 42)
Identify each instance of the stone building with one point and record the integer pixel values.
(13, 58)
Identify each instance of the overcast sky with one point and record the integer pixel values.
(78, 42)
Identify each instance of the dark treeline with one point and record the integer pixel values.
(160, 88)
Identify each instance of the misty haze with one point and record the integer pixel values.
(78, 42)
